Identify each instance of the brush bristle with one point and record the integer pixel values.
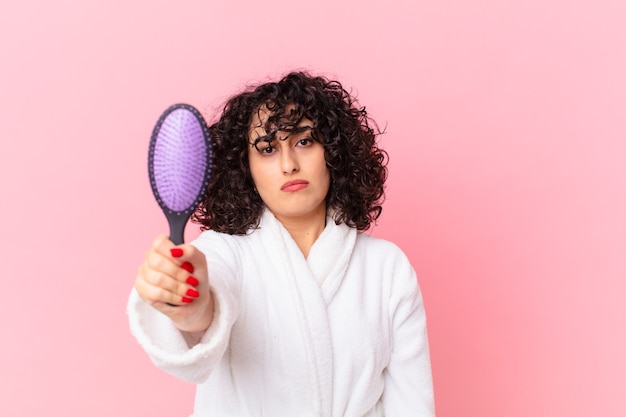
(179, 160)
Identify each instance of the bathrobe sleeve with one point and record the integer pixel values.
(408, 378)
(165, 344)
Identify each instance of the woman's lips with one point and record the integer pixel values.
(296, 185)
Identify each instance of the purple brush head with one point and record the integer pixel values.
(179, 164)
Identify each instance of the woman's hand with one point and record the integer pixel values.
(174, 280)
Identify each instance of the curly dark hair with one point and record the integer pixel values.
(356, 164)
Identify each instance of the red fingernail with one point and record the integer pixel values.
(192, 293)
(187, 267)
(176, 252)
(187, 300)
(192, 281)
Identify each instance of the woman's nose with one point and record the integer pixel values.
(289, 162)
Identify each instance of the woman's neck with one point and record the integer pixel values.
(305, 230)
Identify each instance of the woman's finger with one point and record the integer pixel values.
(155, 285)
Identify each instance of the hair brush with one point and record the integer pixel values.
(179, 165)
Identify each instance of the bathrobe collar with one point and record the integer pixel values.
(328, 258)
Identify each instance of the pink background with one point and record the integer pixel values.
(506, 127)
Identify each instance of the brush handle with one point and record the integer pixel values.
(177, 222)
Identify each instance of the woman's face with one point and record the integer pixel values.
(290, 174)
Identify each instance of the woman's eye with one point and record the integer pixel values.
(266, 150)
(305, 142)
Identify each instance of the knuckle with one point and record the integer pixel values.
(154, 277)
(181, 289)
(159, 280)
(157, 241)
(153, 294)
(154, 260)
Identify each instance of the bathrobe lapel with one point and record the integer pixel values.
(330, 255)
(312, 285)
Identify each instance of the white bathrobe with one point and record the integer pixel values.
(341, 333)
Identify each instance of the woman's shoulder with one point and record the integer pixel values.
(386, 258)
(381, 251)
(378, 245)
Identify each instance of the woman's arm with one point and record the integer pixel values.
(408, 378)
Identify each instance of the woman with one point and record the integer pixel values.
(282, 306)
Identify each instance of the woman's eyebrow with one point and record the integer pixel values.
(301, 129)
